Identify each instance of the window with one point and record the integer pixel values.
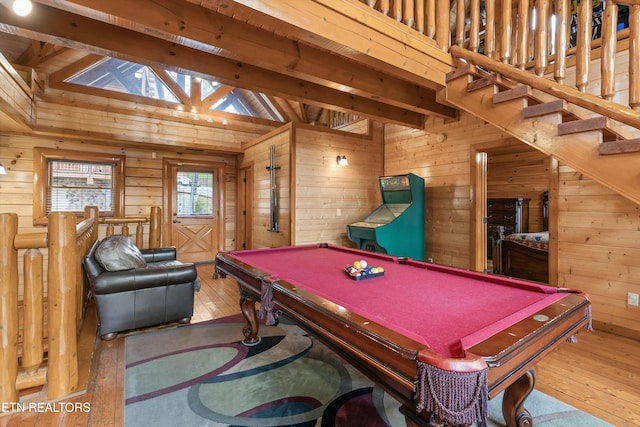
(195, 193)
(69, 181)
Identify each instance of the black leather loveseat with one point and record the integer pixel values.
(135, 289)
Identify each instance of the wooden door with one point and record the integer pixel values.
(194, 221)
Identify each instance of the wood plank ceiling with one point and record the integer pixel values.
(251, 48)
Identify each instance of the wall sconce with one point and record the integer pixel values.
(22, 7)
(342, 161)
(3, 171)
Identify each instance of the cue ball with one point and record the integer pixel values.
(363, 264)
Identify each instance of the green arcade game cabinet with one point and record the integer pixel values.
(397, 226)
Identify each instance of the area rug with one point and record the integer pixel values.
(202, 375)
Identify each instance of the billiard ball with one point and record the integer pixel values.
(363, 264)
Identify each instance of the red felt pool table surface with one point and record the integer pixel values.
(447, 309)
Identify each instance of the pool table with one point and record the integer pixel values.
(441, 340)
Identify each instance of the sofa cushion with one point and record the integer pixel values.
(118, 252)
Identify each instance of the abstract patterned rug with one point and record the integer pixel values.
(202, 375)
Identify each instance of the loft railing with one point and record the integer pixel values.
(66, 241)
(534, 35)
(25, 307)
(154, 220)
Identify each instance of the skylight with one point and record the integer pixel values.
(140, 80)
(124, 77)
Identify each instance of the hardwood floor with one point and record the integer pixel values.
(600, 374)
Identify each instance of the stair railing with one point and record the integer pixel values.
(534, 35)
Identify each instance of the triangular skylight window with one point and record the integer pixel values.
(125, 77)
(140, 80)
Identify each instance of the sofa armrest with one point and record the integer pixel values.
(150, 277)
(167, 253)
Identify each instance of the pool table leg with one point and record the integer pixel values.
(513, 410)
(250, 330)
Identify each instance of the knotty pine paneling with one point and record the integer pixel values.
(123, 127)
(328, 197)
(441, 155)
(598, 249)
(317, 198)
(15, 95)
(257, 156)
(143, 179)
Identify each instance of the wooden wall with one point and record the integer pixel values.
(316, 197)
(256, 156)
(143, 178)
(599, 249)
(328, 196)
(441, 155)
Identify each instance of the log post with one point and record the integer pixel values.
(583, 44)
(474, 25)
(506, 29)
(140, 235)
(420, 15)
(91, 212)
(443, 31)
(541, 47)
(396, 13)
(408, 13)
(32, 350)
(562, 42)
(8, 308)
(490, 29)
(384, 6)
(460, 22)
(63, 356)
(523, 34)
(155, 223)
(634, 56)
(430, 26)
(608, 62)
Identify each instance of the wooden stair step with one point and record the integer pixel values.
(520, 91)
(620, 147)
(461, 71)
(558, 106)
(586, 125)
(481, 83)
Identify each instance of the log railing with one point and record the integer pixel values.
(534, 35)
(154, 220)
(24, 310)
(66, 241)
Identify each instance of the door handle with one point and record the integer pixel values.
(175, 221)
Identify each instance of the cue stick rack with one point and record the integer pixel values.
(273, 206)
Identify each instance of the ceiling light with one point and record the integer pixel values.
(3, 171)
(22, 7)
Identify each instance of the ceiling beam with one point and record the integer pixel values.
(351, 28)
(60, 27)
(204, 29)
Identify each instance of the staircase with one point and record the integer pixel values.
(587, 143)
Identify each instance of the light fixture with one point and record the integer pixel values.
(3, 171)
(342, 161)
(22, 7)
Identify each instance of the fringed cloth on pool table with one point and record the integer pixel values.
(268, 308)
(460, 398)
